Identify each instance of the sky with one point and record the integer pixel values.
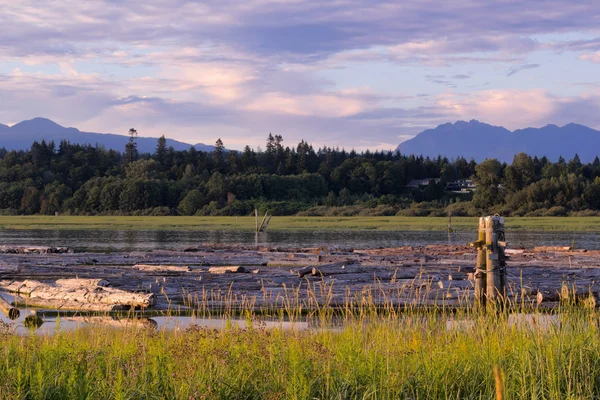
(350, 73)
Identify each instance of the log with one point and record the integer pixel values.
(161, 268)
(544, 249)
(76, 283)
(34, 250)
(305, 271)
(79, 294)
(336, 269)
(514, 251)
(227, 269)
(10, 311)
(33, 321)
(114, 322)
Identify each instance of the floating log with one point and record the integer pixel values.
(79, 294)
(336, 269)
(10, 311)
(227, 269)
(161, 268)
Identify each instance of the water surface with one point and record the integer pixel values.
(147, 240)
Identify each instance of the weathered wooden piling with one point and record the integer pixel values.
(490, 272)
(480, 268)
(495, 262)
(10, 311)
(264, 223)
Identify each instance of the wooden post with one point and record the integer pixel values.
(256, 218)
(262, 223)
(490, 270)
(480, 278)
(265, 224)
(10, 311)
(494, 231)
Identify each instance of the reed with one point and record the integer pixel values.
(369, 347)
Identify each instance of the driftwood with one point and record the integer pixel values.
(514, 251)
(544, 249)
(10, 311)
(388, 270)
(34, 250)
(336, 269)
(114, 322)
(78, 294)
(305, 271)
(161, 268)
(33, 321)
(227, 270)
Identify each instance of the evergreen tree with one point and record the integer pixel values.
(219, 155)
(161, 149)
(131, 152)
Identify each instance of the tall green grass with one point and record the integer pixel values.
(367, 352)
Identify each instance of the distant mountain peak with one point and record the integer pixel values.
(479, 140)
(20, 136)
(37, 123)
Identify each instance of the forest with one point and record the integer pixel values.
(75, 179)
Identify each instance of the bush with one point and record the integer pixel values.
(379, 211)
(556, 211)
(536, 213)
(463, 209)
(413, 212)
(585, 213)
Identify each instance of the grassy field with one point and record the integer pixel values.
(374, 356)
(293, 223)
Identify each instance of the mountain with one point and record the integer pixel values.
(478, 140)
(23, 134)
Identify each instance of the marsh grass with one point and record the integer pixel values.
(291, 223)
(368, 347)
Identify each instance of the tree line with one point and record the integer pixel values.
(91, 180)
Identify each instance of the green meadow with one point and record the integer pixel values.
(292, 223)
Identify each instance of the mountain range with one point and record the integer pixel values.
(471, 139)
(479, 141)
(20, 137)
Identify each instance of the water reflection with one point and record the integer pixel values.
(146, 240)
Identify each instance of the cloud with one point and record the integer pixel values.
(516, 109)
(520, 68)
(593, 57)
(305, 68)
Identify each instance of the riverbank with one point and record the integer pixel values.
(565, 224)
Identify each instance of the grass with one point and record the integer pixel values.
(590, 224)
(364, 352)
(375, 355)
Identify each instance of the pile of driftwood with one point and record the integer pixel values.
(229, 276)
(77, 294)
